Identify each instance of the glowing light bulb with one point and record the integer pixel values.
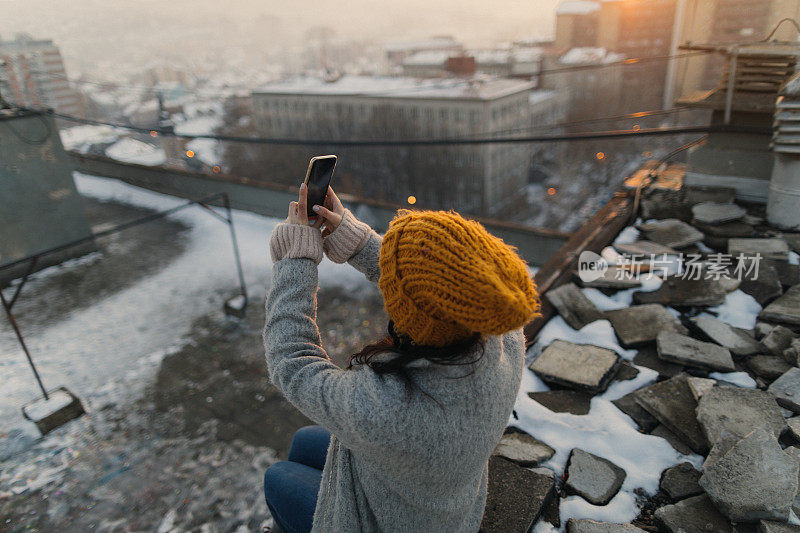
(551, 191)
(189, 153)
(600, 155)
(636, 127)
(153, 133)
(412, 200)
(216, 169)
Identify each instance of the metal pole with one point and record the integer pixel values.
(227, 202)
(14, 325)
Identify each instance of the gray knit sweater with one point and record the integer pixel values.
(398, 461)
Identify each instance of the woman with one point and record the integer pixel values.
(415, 418)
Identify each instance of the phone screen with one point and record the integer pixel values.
(319, 178)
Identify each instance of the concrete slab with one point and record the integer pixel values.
(695, 194)
(766, 526)
(687, 351)
(627, 404)
(738, 411)
(516, 497)
(573, 305)
(786, 389)
(778, 340)
(764, 286)
(648, 357)
(788, 274)
(768, 367)
(645, 248)
(614, 278)
(727, 336)
(700, 386)
(576, 366)
(785, 309)
(717, 213)
(772, 248)
(640, 324)
(591, 526)
(680, 292)
(726, 230)
(792, 354)
(724, 443)
(681, 481)
(673, 440)
(671, 232)
(692, 514)
(523, 449)
(793, 240)
(594, 478)
(563, 401)
(794, 427)
(671, 402)
(754, 480)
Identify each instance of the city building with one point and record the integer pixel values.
(398, 51)
(576, 24)
(475, 178)
(590, 78)
(505, 63)
(32, 75)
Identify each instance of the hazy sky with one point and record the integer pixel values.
(100, 31)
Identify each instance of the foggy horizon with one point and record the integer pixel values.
(99, 36)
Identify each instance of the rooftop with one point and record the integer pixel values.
(399, 87)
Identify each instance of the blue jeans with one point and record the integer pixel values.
(291, 487)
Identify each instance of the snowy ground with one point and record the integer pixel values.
(182, 421)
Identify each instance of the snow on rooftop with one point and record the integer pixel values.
(130, 150)
(580, 56)
(577, 7)
(79, 138)
(400, 87)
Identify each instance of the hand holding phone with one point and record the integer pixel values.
(331, 211)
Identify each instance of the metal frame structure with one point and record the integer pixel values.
(32, 261)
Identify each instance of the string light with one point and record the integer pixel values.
(154, 134)
(636, 127)
(216, 169)
(412, 200)
(600, 155)
(189, 153)
(551, 191)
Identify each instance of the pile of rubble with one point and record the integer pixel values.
(727, 386)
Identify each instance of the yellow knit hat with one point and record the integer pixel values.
(445, 278)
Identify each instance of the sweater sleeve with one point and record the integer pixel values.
(357, 406)
(367, 260)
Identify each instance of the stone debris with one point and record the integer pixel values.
(695, 194)
(592, 526)
(778, 340)
(794, 451)
(768, 367)
(671, 232)
(793, 240)
(765, 526)
(681, 481)
(671, 402)
(738, 411)
(627, 404)
(685, 350)
(563, 401)
(696, 514)
(764, 286)
(768, 248)
(725, 335)
(648, 357)
(645, 248)
(673, 440)
(626, 371)
(785, 309)
(792, 354)
(594, 478)
(523, 449)
(786, 389)
(517, 496)
(717, 213)
(688, 292)
(614, 278)
(788, 274)
(754, 480)
(762, 329)
(725, 442)
(700, 386)
(640, 324)
(794, 427)
(725, 231)
(573, 305)
(577, 366)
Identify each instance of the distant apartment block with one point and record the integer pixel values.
(642, 29)
(475, 178)
(32, 74)
(398, 51)
(511, 63)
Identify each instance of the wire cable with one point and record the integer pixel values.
(578, 136)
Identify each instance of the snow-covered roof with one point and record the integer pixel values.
(400, 87)
(79, 137)
(130, 150)
(577, 7)
(581, 56)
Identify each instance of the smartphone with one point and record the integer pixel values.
(318, 178)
